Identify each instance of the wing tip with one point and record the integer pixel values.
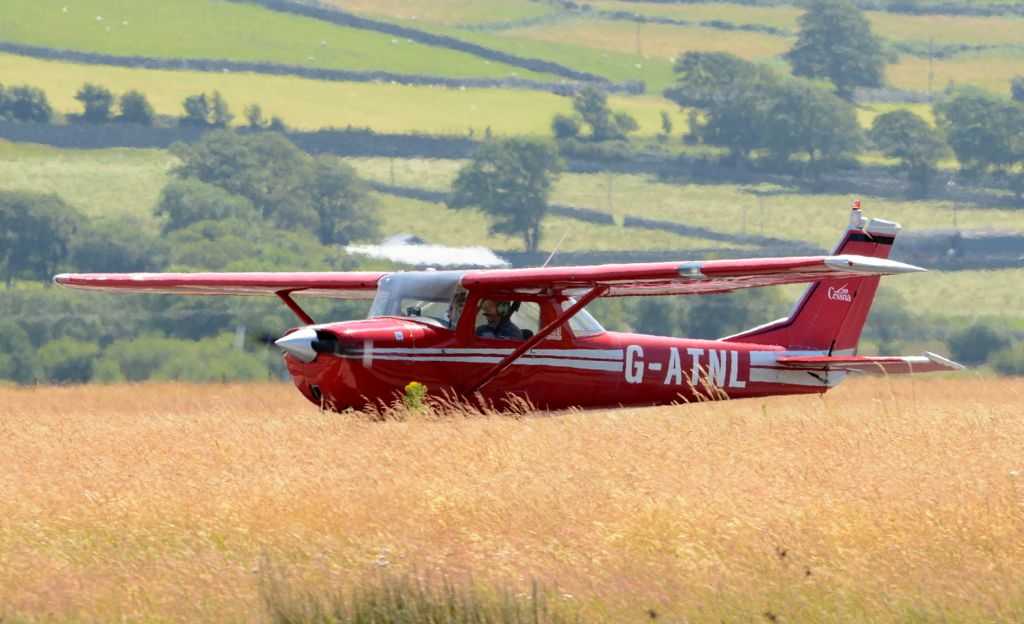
(871, 265)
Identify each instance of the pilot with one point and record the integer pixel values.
(498, 325)
(455, 309)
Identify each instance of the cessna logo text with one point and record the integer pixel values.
(840, 294)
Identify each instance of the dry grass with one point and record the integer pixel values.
(887, 500)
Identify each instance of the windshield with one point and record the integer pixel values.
(582, 324)
(422, 295)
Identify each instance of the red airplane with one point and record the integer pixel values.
(508, 335)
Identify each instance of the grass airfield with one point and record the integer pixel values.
(886, 500)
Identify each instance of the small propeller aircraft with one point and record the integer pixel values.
(507, 335)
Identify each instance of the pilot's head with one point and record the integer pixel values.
(494, 311)
(455, 308)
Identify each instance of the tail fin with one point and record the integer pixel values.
(830, 315)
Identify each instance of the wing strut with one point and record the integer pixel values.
(543, 333)
(285, 295)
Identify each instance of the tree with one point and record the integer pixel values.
(206, 110)
(96, 101)
(1009, 361)
(980, 129)
(35, 234)
(731, 94)
(197, 110)
(17, 357)
(835, 43)
(67, 360)
(1017, 89)
(116, 245)
(592, 107)
(265, 167)
(805, 119)
(254, 117)
(565, 126)
(281, 183)
(188, 201)
(666, 126)
(919, 147)
(221, 116)
(25, 103)
(341, 201)
(136, 109)
(744, 107)
(973, 345)
(510, 181)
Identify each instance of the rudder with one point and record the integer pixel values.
(830, 314)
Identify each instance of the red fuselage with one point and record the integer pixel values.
(373, 360)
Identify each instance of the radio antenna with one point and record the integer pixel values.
(557, 245)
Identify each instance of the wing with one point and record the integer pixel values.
(335, 285)
(682, 278)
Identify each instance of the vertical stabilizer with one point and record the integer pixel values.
(830, 314)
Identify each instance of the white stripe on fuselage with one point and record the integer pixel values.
(589, 354)
(526, 360)
(764, 367)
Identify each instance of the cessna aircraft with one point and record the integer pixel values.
(507, 335)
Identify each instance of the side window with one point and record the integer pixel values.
(507, 320)
(527, 317)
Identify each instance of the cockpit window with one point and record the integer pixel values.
(425, 296)
(582, 324)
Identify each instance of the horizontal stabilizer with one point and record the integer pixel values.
(927, 363)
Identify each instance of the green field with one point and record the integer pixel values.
(658, 40)
(306, 104)
(452, 12)
(781, 17)
(992, 70)
(621, 50)
(437, 224)
(655, 72)
(100, 183)
(126, 181)
(734, 209)
(948, 29)
(234, 31)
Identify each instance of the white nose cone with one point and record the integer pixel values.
(299, 344)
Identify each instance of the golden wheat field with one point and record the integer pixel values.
(886, 500)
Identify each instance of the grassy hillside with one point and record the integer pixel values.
(887, 500)
(101, 183)
(235, 31)
(658, 40)
(586, 40)
(620, 49)
(735, 209)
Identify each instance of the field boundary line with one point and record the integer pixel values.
(317, 10)
(280, 69)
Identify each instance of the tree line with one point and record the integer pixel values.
(26, 103)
